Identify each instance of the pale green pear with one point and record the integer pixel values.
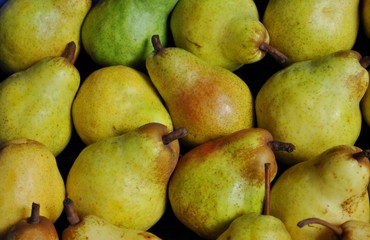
(223, 179)
(118, 32)
(208, 100)
(304, 30)
(314, 104)
(114, 100)
(228, 34)
(365, 107)
(349, 230)
(29, 173)
(331, 186)
(36, 103)
(256, 226)
(93, 227)
(33, 30)
(123, 179)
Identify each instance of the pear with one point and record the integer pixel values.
(228, 34)
(209, 101)
(365, 16)
(35, 227)
(314, 104)
(38, 102)
(349, 230)
(222, 179)
(305, 30)
(92, 227)
(330, 186)
(123, 179)
(33, 30)
(255, 226)
(118, 32)
(29, 173)
(114, 100)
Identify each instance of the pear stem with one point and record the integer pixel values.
(274, 53)
(362, 154)
(70, 51)
(365, 61)
(35, 214)
(176, 134)
(281, 146)
(336, 229)
(266, 206)
(156, 42)
(72, 216)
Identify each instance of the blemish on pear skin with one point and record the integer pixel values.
(194, 43)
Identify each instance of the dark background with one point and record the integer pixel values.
(169, 228)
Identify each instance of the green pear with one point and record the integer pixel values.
(257, 226)
(118, 32)
(29, 173)
(330, 186)
(228, 34)
(209, 101)
(114, 100)
(304, 30)
(123, 179)
(33, 30)
(34, 227)
(314, 104)
(349, 230)
(38, 102)
(222, 179)
(93, 227)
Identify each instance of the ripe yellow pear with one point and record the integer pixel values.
(33, 30)
(308, 29)
(114, 100)
(29, 173)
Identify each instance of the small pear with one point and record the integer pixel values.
(349, 230)
(304, 30)
(209, 101)
(36, 103)
(314, 104)
(35, 227)
(29, 173)
(331, 186)
(123, 179)
(228, 34)
(255, 226)
(33, 30)
(222, 179)
(114, 100)
(92, 227)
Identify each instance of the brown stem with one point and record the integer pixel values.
(365, 61)
(266, 206)
(35, 214)
(336, 229)
(281, 146)
(156, 42)
(362, 154)
(273, 52)
(70, 51)
(72, 216)
(176, 134)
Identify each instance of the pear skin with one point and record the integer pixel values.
(209, 101)
(38, 102)
(114, 100)
(314, 104)
(29, 173)
(33, 30)
(331, 186)
(123, 179)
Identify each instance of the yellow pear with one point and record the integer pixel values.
(308, 29)
(114, 100)
(33, 30)
(38, 102)
(29, 173)
(365, 16)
